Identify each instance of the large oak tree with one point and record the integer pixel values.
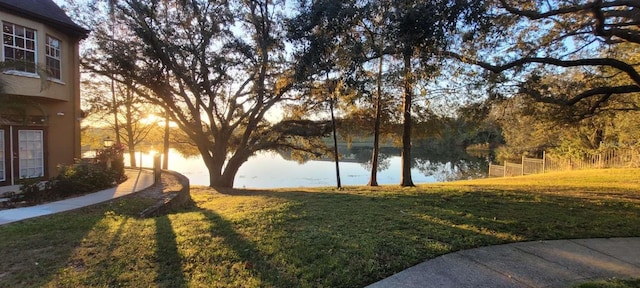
(217, 67)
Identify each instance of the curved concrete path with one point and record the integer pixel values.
(137, 180)
(557, 263)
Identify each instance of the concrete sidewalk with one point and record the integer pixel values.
(137, 180)
(557, 263)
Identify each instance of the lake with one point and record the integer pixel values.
(272, 170)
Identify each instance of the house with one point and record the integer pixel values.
(39, 118)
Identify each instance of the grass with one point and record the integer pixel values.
(311, 237)
(611, 283)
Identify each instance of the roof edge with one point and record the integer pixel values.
(72, 30)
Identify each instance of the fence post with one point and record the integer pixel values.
(544, 160)
(599, 160)
(504, 171)
(156, 169)
(570, 164)
(522, 166)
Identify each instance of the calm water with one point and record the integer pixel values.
(271, 170)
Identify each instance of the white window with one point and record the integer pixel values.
(3, 177)
(53, 58)
(31, 154)
(20, 46)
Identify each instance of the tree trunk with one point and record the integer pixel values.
(336, 155)
(214, 165)
(213, 159)
(132, 157)
(373, 180)
(406, 120)
(227, 179)
(114, 103)
(128, 128)
(165, 144)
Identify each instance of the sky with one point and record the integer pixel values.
(66, 3)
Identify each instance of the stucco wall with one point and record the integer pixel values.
(32, 85)
(59, 99)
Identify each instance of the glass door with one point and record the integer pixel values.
(30, 154)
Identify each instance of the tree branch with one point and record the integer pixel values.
(535, 15)
(610, 62)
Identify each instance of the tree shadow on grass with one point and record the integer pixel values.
(34, 251)
(250, 260)
(121, 251)
(353, 239)
(291, 238)
(169, 261)
(332, 239)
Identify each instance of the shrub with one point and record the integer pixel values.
(82, 178)
(72, 180)
(30, 191)
(112, 159)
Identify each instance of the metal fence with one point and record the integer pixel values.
(618, 158)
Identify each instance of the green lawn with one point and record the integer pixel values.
(611, 283)
(311, 237)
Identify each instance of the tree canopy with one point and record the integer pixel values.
(537, 37)
(220, 68)
(413, 33)
(217, 67)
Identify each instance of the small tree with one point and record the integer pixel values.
(133, 114)
(112, 160)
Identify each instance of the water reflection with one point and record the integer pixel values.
(278, 170)
(454, 164)
(443, 164)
